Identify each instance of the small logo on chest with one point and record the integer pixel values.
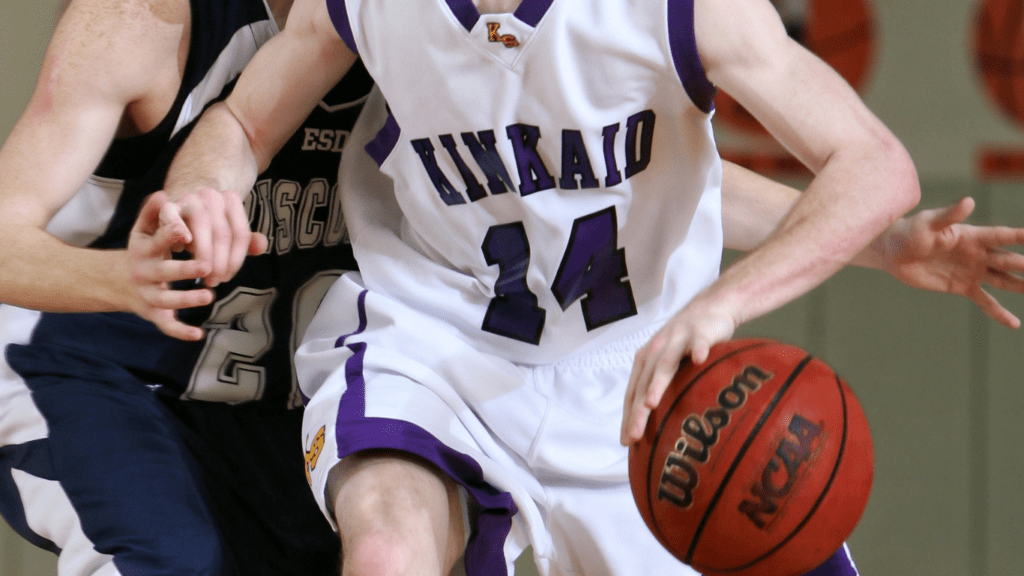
(509, 40)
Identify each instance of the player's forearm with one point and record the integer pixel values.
(852, 200)
(753, 206)
(40, 272)
(217, 154)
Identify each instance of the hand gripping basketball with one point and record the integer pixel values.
(757, 462)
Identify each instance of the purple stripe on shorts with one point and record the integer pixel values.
(339, 16)
(361, 311)
(684, 52)
(531, 11)
(465, 12)
(385, 141)
(840, 564)
(485, 551)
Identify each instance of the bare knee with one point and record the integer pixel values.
(397, 515)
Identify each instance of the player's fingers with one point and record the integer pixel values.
(701, 349)
(989, 305)
(148, 220)
(172, 220)
(992, 236)
(199, 221)
(220, 234)
(660, 377)
(240, 236)
(953, 214)
(258, 244)
(178, 299)
(1007, 260)
(1004, 280)
(165, 240)
(161, 297)
(629, 406)
(171, 326)
(176, 270)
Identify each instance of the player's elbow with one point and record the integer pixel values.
(902, 174)
(895, 178)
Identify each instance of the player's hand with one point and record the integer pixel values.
(219, 230)
(692, 332)
(935, 250)
(150, 245)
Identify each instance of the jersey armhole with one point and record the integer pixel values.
(385, 141)
(683, 42)
(339, 16)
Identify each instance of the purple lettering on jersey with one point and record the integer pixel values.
(638, 157)
(425, 150)
(339, 16)
(611, 166)
(684, 52)
(514, 311)
(474, 189)
(593, 270)
(533, 174)
(577, 169)
(482, 147)
(576, 162)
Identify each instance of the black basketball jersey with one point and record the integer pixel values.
(257, 318)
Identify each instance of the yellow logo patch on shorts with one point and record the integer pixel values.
(313, 453)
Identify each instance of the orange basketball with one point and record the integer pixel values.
(758, 462)
(999, 54)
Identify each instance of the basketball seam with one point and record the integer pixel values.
(739, 455)
(824, 492)
(661, 428)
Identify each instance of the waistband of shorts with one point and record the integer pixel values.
(615, 353)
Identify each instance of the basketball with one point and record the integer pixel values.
(998, 45)
(758, 462)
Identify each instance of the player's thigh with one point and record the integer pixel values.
(251, 467)
(110, 479)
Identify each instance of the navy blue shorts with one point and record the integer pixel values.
(159, 486)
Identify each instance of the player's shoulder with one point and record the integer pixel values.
(170, 11)
(131, 18)
(119, 41)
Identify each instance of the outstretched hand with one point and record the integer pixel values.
(934, 250)
(164, 227)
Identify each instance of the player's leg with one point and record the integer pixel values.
(384, 383)
(251, 468)
(110, 488)
(396, 515)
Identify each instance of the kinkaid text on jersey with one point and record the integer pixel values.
(577, 164)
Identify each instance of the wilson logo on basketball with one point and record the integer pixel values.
(679, 476)
(508, 40)
(313, 454)
(782, 472)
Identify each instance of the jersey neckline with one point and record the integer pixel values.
(529, 12)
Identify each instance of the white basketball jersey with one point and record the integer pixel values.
(556, 181)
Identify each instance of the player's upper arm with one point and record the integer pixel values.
(803, 102)
(288, 77)
(104, 55)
